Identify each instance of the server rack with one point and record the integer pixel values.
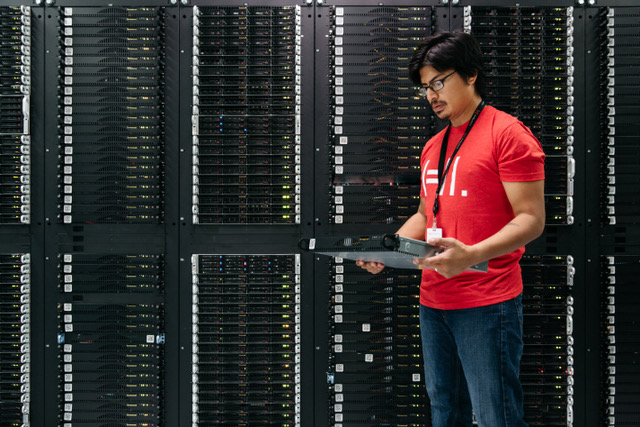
(327, 75)
(616, 28)
(246, 340)
(108, 203)
(15, 208)
(246, 115)
(15, 334)
(111, 117)
(529, 59)
(547, 366)
(111, 339)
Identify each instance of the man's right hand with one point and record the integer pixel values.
(371, 267)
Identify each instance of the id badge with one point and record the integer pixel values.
(434, 233)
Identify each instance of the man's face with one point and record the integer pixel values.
(453, 101)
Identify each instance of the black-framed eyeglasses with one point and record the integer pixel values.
(434, 86)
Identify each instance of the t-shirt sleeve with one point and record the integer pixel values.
(519, 154)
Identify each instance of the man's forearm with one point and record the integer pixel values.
(414, 227)
(527, 201)
(518, 232)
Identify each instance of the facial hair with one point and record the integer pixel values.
(441, 104)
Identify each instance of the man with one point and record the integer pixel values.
(482, 199)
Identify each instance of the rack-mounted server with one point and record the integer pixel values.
(547, 365)
(246, 334)
(15, 115)
(15, 339)
(111, 126)
(530, 68)
(619, 38)
(378, 127)
(247, 69)
(375, 372)
(111, 336)
(620, 340)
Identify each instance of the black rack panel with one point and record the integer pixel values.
(530, 68)
(111, 339)
(15, 339)
(246, 340)
(620, 297)
(111, 125)
(246, 115)
(15, 114)
(375, 371)
(547, 366)
(378, 127)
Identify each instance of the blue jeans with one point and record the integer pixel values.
(472, 359)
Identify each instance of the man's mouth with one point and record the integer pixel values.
(437, 106)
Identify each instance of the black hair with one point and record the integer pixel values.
(455, 50)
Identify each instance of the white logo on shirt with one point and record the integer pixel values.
(430, 177)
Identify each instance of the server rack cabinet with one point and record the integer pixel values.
(20, 229)
(534, 58)
(376, 126)
(109, 139)
(506, 32)
(247, 162)
(370, 134)
(613, 45)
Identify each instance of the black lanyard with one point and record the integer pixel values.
(443, 154)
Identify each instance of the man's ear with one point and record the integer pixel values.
(472, 79)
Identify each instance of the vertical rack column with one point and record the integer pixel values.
(619, 38)
(529, 59)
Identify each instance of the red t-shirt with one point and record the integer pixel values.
(474, 205)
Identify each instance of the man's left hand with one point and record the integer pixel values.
(453, 257)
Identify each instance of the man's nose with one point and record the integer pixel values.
(431, 95)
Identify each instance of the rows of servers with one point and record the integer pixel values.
(246, 340)
(378, 127)
(529, 63)
(108, 319)
(246, 115)
(620, 340)
(111, 130)
(15, 129)
(547, 366)
(620, 38)
(375, 371)
(111, 337)
(15, 339)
